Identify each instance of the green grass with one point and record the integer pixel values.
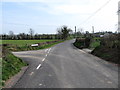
(11, 65)
(108, 54)
(95, 44)
(0, 41)
(23, 42)
(50, 45)
(25, 45)
(0, 73)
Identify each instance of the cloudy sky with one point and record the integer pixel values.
(45, 16)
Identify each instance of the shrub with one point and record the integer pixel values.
(82, 42)
(109, 48)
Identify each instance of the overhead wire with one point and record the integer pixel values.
(96, 12)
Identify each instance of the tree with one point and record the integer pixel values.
(11, 34)
(22, 36)
(64, 32)
(78, 33)
(31, 33)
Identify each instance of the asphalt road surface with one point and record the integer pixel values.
(64, 66)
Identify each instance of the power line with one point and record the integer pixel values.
(27, 24)
(96, 11)
(57, 25)
(17, 24)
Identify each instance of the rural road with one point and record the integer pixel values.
(64, 66)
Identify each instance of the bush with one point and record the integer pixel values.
(109, 48)
(111, 41)
(82, 42)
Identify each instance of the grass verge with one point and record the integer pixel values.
(50, 45)
(26, 47)
(23, 42)
(0, 73)
(94, 44)
(108, 54)
(11, 65)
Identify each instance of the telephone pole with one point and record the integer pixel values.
(75, 31)
(93, 30)
(119, 17)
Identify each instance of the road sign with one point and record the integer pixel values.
(34, 45)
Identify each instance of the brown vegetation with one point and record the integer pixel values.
(109, 48)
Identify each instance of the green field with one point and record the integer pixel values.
(23, 42)
(25, 45)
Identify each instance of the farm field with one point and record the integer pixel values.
(25, 45)
(22, 42)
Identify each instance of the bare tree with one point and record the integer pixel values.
(31, 33)
(11, 34)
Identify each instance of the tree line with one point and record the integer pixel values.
(62, 33)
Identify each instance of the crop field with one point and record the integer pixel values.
(22, 42)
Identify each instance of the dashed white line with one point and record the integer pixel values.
(38, 66)
(107, 75)
(46, 50)
(109, 82)
(40, 84)
(49, 50)
(43, 60)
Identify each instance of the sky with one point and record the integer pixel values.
(45, 16)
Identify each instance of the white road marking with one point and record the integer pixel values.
(109, 82)
(31, 73)
(43, 60)
(49, 50)
(38, 66)
(46, 50)
(82, 51)
(40, 84)
(107, 75)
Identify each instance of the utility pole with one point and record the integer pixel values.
(119, 17)
(93, 30)
(75, 31)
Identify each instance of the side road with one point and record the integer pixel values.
(64, 66)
